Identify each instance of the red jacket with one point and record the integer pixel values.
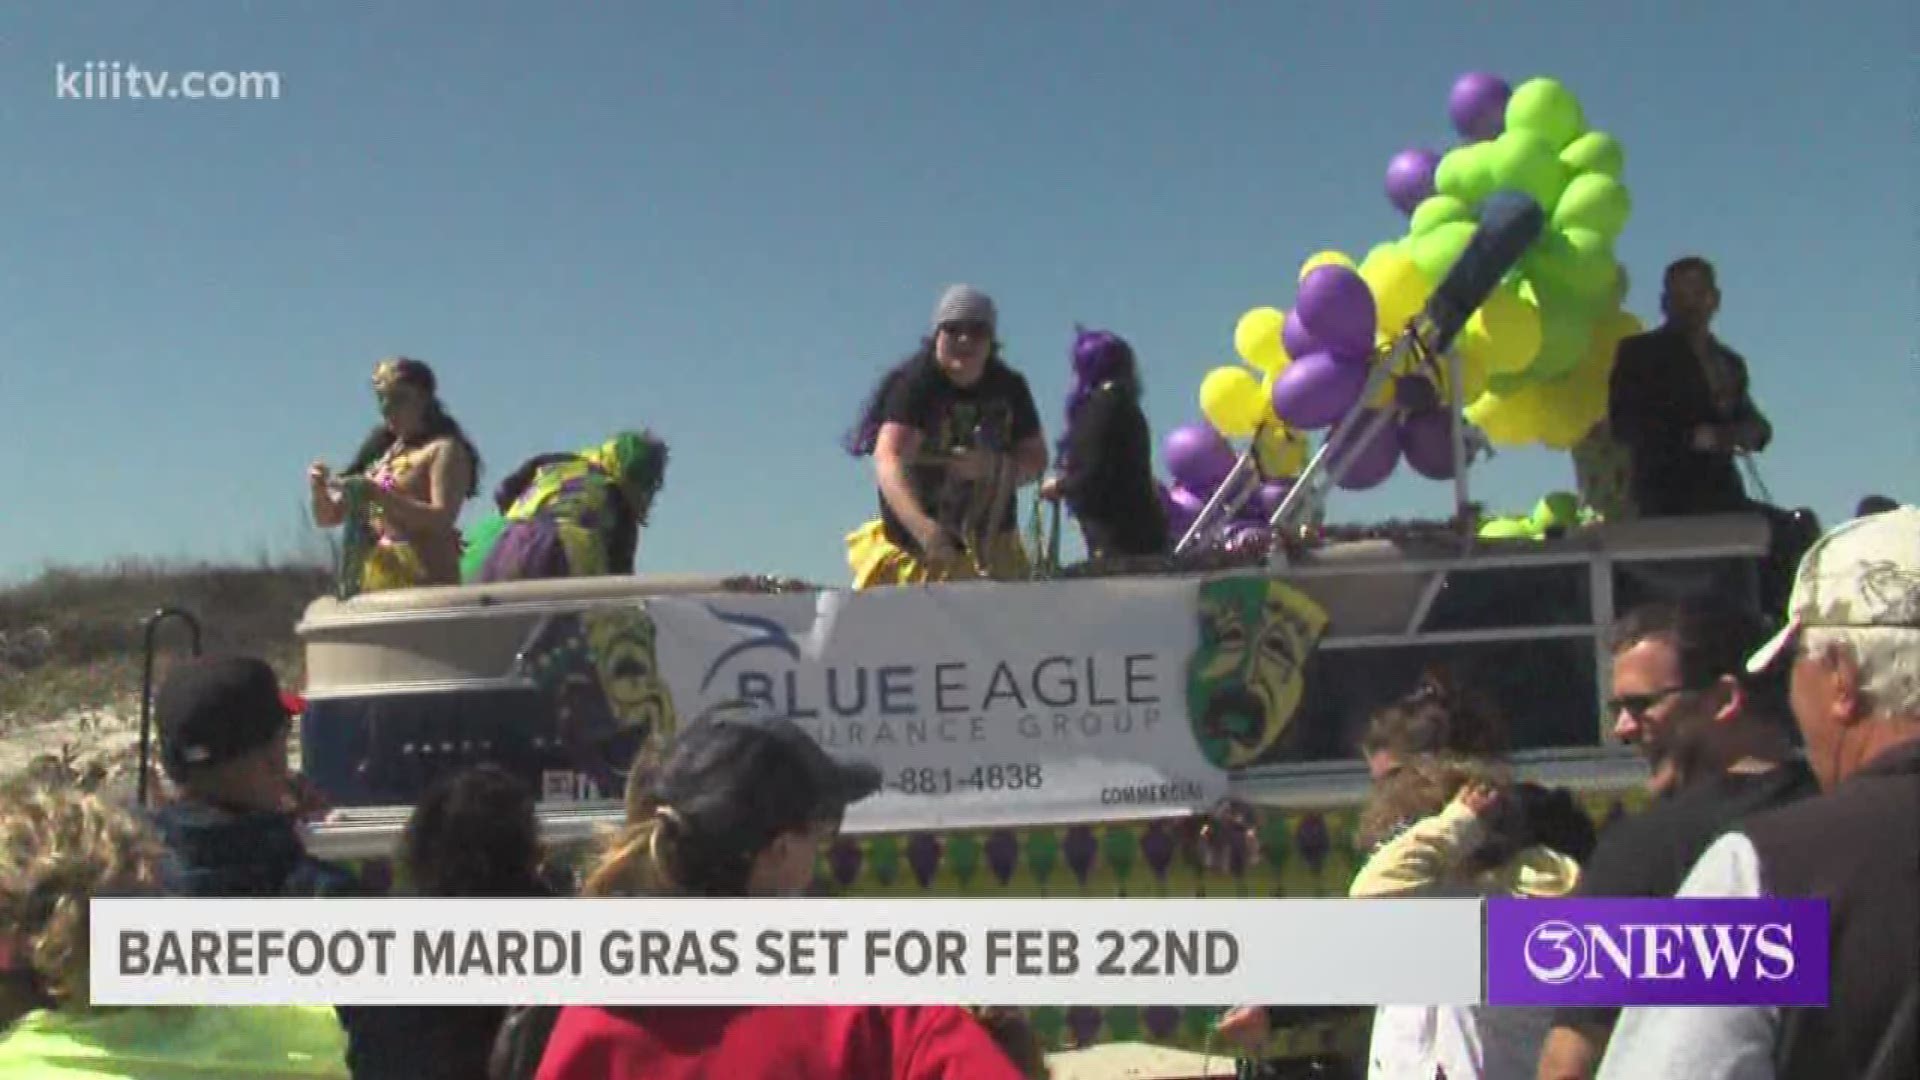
(797, 1042)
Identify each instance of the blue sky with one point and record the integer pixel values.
(723, 223)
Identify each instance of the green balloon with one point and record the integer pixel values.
(1464, 173)
(1547, 109)
(1594, 271)
(1436, 252)
(1437, 211)
(1593, 201)
(1564, 277)
(1595, 152)
(1558, 508)
(1506, 529)
(1522, 161)
(1566, 329)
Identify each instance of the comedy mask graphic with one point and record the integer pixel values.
(601, 672)
(1245, 681)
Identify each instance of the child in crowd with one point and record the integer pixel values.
(1443, 825)
(234, 827)
(473, 835)
(60, 849)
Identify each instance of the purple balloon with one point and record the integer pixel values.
(1426, 441)
(1478, 105)
(1337, 309)
(1410, 178)
(1375, 461)
(1250, 510)
(1415, 393)
(1316, 390)
(1294, 336)
(1198, 457)
(1184, 501)
(1270, 496)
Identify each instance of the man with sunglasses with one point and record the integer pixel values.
(1851, 652)
(1718, 748)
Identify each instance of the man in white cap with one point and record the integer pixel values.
(1853, 640)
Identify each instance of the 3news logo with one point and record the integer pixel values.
(1657, 952)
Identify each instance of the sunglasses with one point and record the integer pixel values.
(969, 329)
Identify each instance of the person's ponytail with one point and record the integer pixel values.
(630, 865)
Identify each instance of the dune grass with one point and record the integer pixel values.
(72, 643)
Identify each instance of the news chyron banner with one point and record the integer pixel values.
(1425, 952)
(982, 704)
(794, 952)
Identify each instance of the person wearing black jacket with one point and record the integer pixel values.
(1106, 455)
(1680, 402)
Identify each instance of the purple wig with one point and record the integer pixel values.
(1099, 357)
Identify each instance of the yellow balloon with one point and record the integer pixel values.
(1473, 377)
(1399, 289)
(1509, 419)
(1280, 452)
(1232, 401)
(1505, 333)
(1324, 258)
(1564, 412)
(1257, 339)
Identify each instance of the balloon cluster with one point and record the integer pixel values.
(1536, 357)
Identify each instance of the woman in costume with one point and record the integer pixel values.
(404, 487)
(571, 515)
(953, 433)
(1106, 456)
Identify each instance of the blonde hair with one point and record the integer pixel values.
(632, 862)
(59, 848)
(1421, 787)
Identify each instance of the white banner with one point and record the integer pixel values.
(795, 952)
(1008, 704)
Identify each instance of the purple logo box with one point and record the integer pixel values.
(1657, 952)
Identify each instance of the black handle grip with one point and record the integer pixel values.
(1509, 223)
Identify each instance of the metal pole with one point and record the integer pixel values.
(1461, 496)
(146, 690)
(1226, 492)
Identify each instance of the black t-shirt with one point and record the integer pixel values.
(1649, 853)
(996, 413)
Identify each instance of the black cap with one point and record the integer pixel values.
(210, 711)
(769, 771)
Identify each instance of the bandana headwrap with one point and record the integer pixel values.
(637, 461)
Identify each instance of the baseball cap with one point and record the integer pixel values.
(212, 710)
(1864, 574)
(766, 772)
